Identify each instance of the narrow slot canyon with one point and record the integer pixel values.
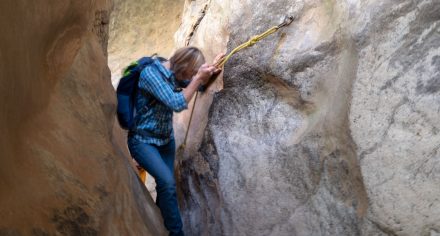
(329, 126)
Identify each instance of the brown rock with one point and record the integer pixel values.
(63, 172)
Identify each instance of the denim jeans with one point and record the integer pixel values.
(158, 161)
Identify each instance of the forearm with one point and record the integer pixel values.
(189, 91)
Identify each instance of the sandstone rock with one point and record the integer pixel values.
(328, 127)
(394, 115)
(205, 28)
(63, 169)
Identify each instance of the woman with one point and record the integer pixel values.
(151, 141)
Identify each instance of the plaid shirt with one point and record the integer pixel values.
(157, 99)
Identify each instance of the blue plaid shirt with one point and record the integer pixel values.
(157, 99)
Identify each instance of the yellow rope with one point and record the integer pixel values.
(253, 40)
(249, 43)
(189, 122)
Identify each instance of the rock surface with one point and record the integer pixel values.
(328, 127)
(395, 111)
(63, 168)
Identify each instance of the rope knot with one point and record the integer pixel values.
(253, 40)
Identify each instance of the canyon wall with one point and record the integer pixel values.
(328, 127)
(64, 169)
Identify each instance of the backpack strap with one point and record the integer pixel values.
(141, 65)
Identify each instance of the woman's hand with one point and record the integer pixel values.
(208, 73)
(205, 72)
(218, 59)
(202, 77)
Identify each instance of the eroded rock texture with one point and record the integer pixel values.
(63, 169)
(395, 112)
(328, 127)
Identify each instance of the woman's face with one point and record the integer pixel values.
(187, 74)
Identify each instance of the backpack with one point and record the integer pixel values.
(127, 90)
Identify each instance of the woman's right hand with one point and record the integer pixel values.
(202, 77)
(205, 72)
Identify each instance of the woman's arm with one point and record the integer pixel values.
(205, 72)
(152, 82)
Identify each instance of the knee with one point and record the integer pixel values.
(168, 185)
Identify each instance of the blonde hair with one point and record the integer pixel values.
(186, 58)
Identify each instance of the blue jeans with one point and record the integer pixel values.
(158, 161)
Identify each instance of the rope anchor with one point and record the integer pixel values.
(287, 21)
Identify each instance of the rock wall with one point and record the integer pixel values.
(206, 30)
(394, 117)
(63, 169)
(328, 127)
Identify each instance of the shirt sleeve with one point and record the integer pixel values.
(185, 83)
(152, 82)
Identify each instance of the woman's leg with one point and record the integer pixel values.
(149, 157)
(168, 153)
